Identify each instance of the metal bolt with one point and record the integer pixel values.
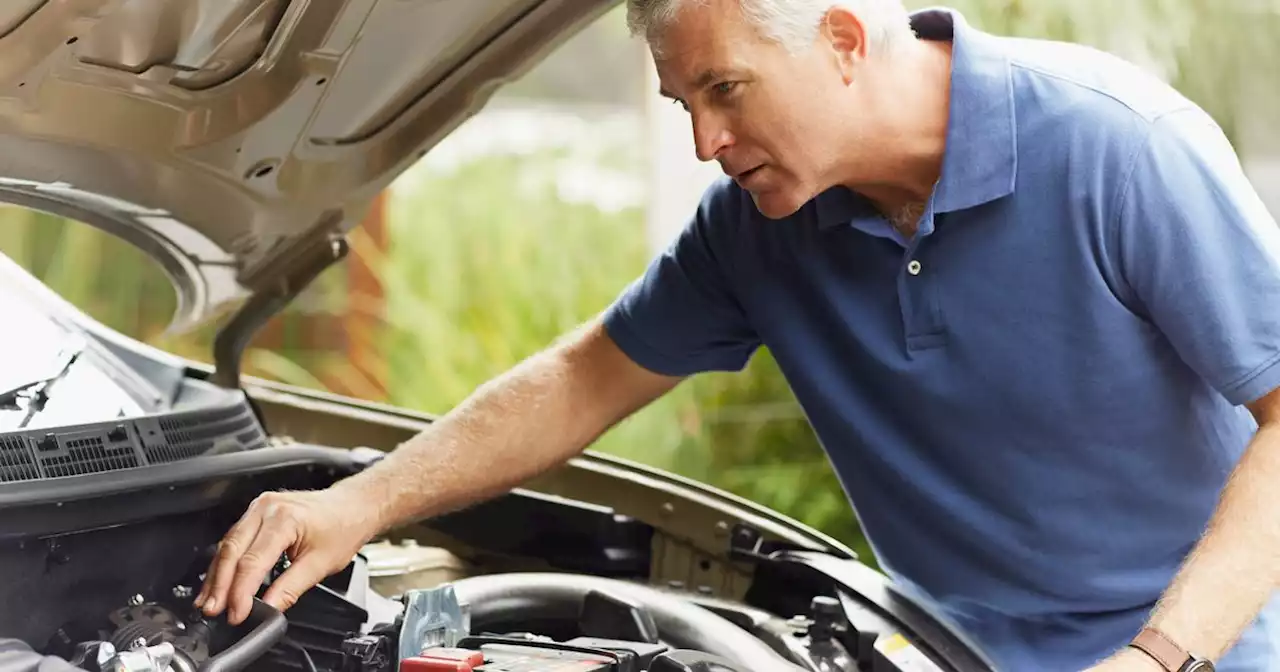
(136, 600)
(140, 643)
(182, 592)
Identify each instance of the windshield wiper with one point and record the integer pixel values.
(37, 391)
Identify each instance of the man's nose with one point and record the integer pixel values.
(710, 137)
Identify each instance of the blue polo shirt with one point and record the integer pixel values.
(1034, 403)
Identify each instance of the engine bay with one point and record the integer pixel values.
(511, 622)
(110, 563)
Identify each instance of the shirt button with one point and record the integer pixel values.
(914, 267)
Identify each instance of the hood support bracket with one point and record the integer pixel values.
(231, 340)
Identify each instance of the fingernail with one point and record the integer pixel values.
(211, 604)
(199, 601)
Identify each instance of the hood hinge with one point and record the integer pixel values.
(232, 339)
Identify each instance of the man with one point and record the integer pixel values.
(1024, 292)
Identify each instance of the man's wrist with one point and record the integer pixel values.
(1166, 653)
(1134, 659)
(373, 515)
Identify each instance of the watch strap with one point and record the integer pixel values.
(1163, 649)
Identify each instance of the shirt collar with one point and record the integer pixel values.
(980, 161)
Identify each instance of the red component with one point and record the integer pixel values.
(441, 659)
(447, 653)
(419, 664)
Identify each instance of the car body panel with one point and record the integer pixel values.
(225, 137)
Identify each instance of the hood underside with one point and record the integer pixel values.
(236, 141)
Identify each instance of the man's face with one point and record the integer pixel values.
(771, 118)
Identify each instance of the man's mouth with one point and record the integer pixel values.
(746, 174)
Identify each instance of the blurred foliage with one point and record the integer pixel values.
(490, 262)
(484, 274)
(114, 282)
(1222, 54)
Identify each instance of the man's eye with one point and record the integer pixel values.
(725, 87)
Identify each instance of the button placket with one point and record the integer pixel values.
(922, 320)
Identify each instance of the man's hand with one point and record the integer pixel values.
(321, 531)
(1128, 660)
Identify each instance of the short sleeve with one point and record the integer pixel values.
(682, 316)
(1202, 255)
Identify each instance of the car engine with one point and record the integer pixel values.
(604, 625)
(505, 622)
(108, 565)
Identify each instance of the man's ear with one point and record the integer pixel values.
(847, 38)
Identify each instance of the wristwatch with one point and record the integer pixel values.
(1165, 651)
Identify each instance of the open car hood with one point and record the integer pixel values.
(236, 141)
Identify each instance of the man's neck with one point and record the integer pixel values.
(909, 163)
(906, 218)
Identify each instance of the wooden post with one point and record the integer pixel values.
(366, 303)
(315, 339)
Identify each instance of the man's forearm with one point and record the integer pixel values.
(534, 417)
(1232, 572)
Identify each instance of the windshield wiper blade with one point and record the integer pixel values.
(37, 391)
(9, 399)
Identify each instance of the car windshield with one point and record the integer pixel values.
(35, 346)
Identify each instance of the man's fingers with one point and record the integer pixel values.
(306, 572)
(278, 532)
(222, 569)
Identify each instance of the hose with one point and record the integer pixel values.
(269, 626)
(511, 597)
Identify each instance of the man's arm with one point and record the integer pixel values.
(534, 417)
(1233, 571)
(681, 317)
(1200, 257)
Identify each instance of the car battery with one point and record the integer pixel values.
(501, 654)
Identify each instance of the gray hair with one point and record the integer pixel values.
(791, 23)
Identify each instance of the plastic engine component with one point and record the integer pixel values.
(512, 654)
(433, 618)
(443, 659)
